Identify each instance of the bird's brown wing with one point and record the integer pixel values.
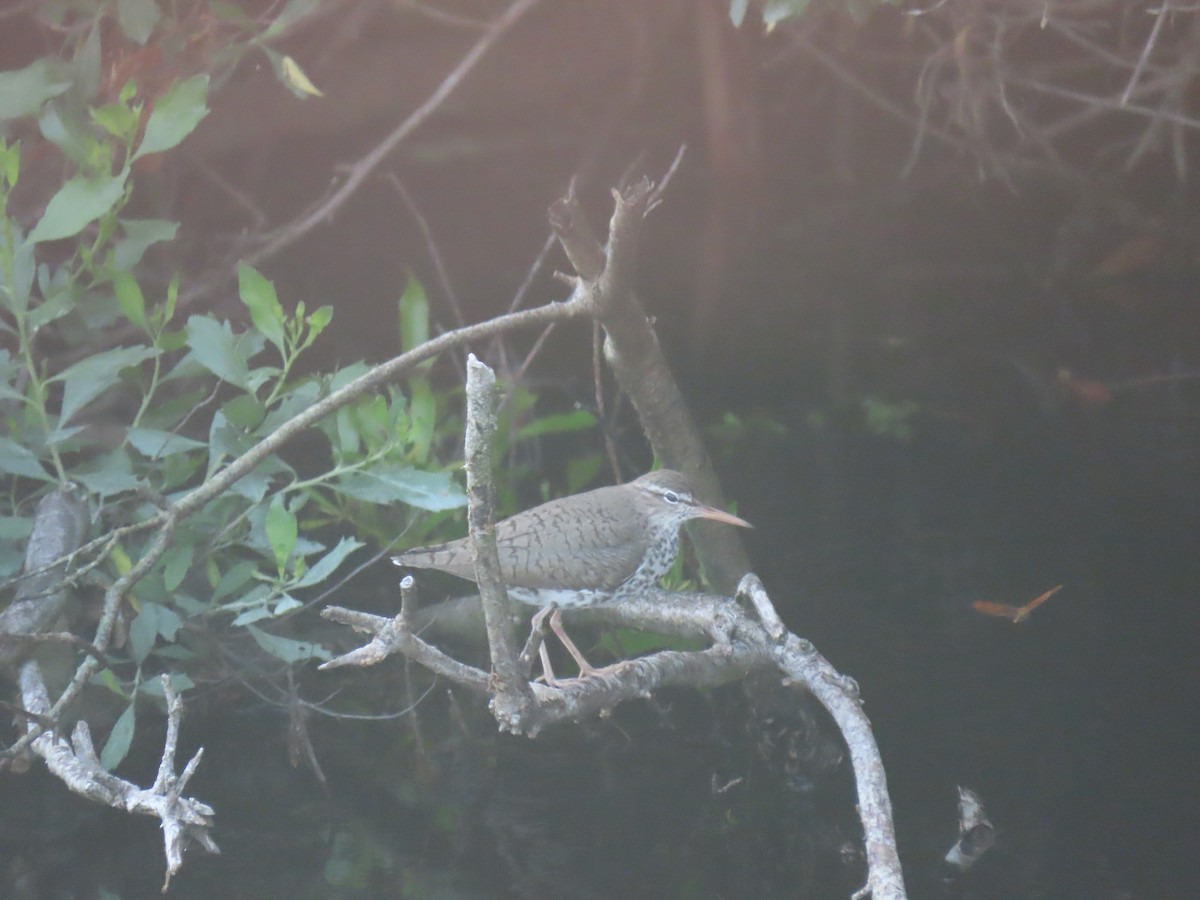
(532, 557)
(587, 541)
(453, 557)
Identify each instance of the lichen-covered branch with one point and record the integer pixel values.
(185, 820)
(60, 527)
(512, 695)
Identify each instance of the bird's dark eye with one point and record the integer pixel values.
(671, 497)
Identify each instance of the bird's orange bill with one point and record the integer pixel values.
(719, 515)
(1014, 613)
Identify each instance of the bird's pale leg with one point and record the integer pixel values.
(547, 669)
(535, 635)
(556, 625)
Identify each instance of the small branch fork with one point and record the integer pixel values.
(184, 819)
(60, 525)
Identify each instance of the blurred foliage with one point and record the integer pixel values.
(106, 382)
(732, 433)
(889, 419)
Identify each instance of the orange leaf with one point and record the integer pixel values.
(1000, 610)
(1014, 614)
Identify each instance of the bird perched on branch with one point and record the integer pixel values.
(591, 549)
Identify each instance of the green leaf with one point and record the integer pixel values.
(265, 309)
(10, 162)
(117, 119)
(13, 528)
(108, 679)
(130, 299)
(9, 375)
(153, 620)
(78, 203)
(287, 649)
(153, 443)
(344, 376)
(422, 418)
(139, 234)
(282, 531)
(56, 306)
(108, 475)
(253, 614)
(254, 599)
(292, 76)
(560, 423)
(215, 347)
(169, 623)
(327, 564)
(433, 491)
(61, 435)
(318, 321)
(176, 113)
(89, 377)
(152, 687)
(24, 265)
(143, 632)
(776, 11)
(23, 91)
(182, 405)
(414, 316)
(120, 739)
(286, 604)
(245, 412)
(176, 563)
(177, 470)
(349, 441)
(18, 460)
(168, 310)
(137, 19)
(66, 129)
(303, 395)
(86, 65)
(171, 340)
(233, 580)
(224, 440)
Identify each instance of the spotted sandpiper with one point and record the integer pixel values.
(591, 549)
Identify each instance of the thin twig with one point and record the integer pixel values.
(540, 260)
(359, 172)
(439, 265)
(1145, 55)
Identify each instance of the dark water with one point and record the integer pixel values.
(1077, 727)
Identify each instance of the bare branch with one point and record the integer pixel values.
(358, 173)
(60, 526)
(512, 696)
(185, 820)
